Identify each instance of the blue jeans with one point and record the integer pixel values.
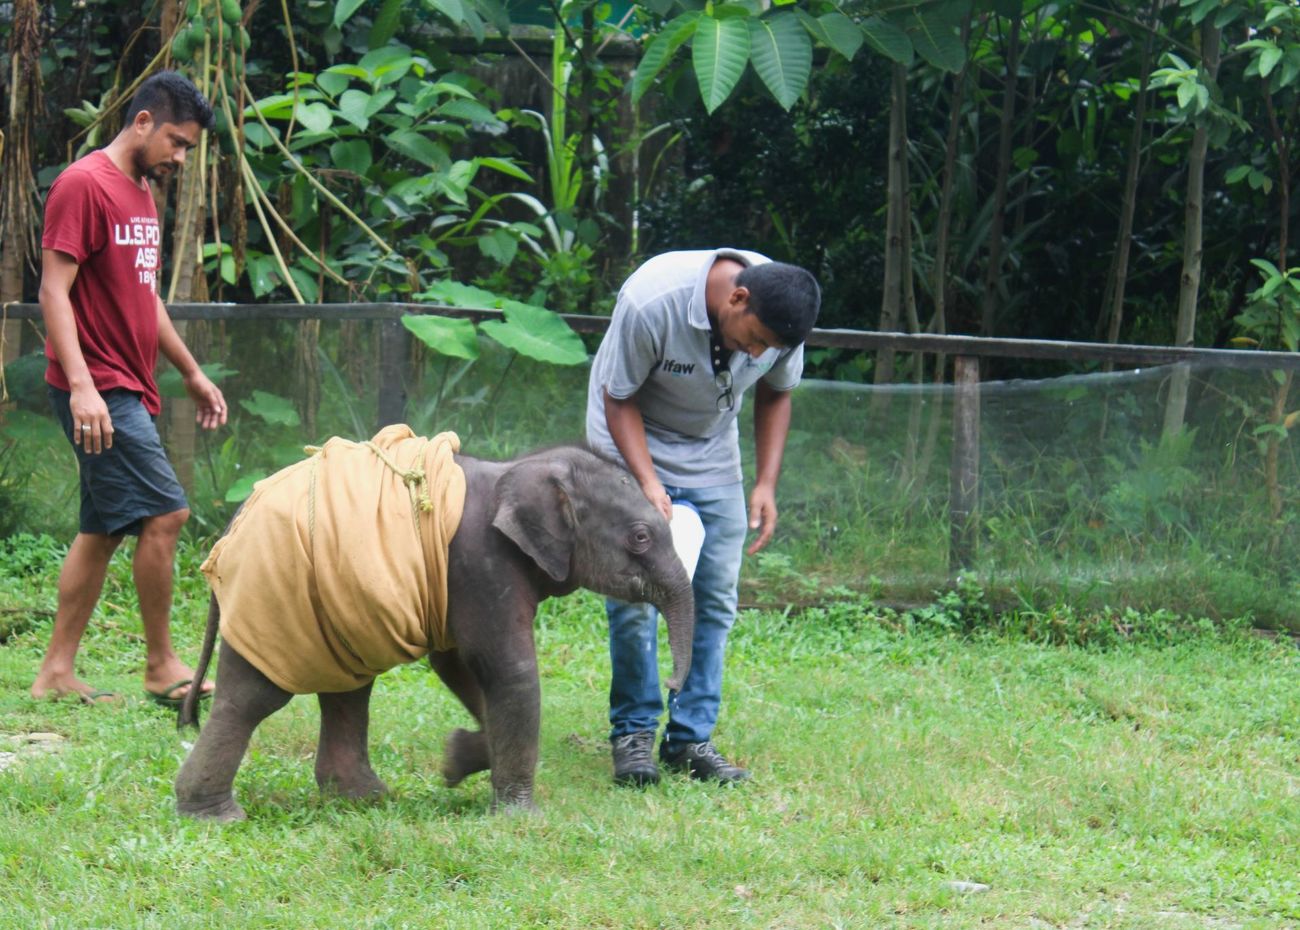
(635, 697)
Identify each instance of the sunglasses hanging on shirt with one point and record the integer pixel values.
(720, 358)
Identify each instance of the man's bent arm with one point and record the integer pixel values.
(627, 429)
(771, 426)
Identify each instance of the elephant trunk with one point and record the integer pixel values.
(678, 609)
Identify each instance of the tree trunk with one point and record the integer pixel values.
(187, 284)
(1128, 206)
(993, 273)
(1281, 392)
(1190, 282)
(939, 274)
(895, 218)
(18, 246)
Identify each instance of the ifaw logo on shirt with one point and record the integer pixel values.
(680, 369)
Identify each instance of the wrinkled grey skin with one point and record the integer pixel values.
(537, 527)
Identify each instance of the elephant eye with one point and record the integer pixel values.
(639, 539)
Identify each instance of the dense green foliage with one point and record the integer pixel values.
(410, 155)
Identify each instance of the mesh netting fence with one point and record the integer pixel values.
(1080, 500)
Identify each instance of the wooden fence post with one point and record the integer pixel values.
(963, 487)
(394, 348)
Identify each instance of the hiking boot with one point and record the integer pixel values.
(703, 762)
(634, 761)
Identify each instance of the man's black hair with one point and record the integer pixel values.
(785, 298)
(170, 98)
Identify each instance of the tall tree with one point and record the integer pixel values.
(18, 213)
(1114, 312)
(994, 286)
(1189, 282)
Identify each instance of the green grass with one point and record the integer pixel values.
(1153, 781)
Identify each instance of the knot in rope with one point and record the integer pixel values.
(414, 478)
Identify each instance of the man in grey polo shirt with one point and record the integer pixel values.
(691, 332)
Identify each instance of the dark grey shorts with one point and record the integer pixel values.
(133, 480)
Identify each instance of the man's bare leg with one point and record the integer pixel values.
(80, 582)
(155, 560)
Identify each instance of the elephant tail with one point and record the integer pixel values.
(188, 716)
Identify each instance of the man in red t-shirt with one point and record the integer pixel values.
(105, 325)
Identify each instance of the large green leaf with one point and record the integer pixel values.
(315, 117)
(379, 100)
(238, 492)
(452, 9)
(352, 107)
(387, 65)
(352, 155)
(506, 167)
(276, 106)
(386, 24)
(660, 51)
(274, 409)
(344, 9)
(419, 148)
(887, 39)
(833, 30)
(499, 246)
(935, 34)
(445, 335)
(170, 383)
(782, 55)
(471, 111)
(332, 82)
(537, 333)
(455, 294)
(719, 52)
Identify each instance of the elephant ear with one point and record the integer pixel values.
(534, 510)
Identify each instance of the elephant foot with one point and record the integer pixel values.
(356, 786)
(222, 810)
(513, 801)
(466, 752)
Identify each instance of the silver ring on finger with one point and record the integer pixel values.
(85, 427)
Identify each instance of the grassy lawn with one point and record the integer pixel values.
(1151, 784)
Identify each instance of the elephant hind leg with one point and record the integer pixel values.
(466, 752)
(244, 698)
(343, 755)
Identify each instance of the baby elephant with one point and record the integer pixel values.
(369, 555)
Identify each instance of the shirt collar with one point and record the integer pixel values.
(698, 314)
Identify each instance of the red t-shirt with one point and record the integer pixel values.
(109, 225)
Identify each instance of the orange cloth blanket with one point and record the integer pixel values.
(335, 570)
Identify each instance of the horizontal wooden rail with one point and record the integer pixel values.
(969, 346)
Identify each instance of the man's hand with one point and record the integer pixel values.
(762, 516)
(207, 397)
(655, 494)
(92, 427)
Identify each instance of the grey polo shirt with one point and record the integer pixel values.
(657, 350)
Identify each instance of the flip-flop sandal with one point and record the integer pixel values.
(164, 698)
(94, 698)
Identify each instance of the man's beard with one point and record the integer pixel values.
(158, 172)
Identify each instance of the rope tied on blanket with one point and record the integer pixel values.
(415, 479)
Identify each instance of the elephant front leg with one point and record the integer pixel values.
(244, 698)
(343, 754)
(513, 723)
